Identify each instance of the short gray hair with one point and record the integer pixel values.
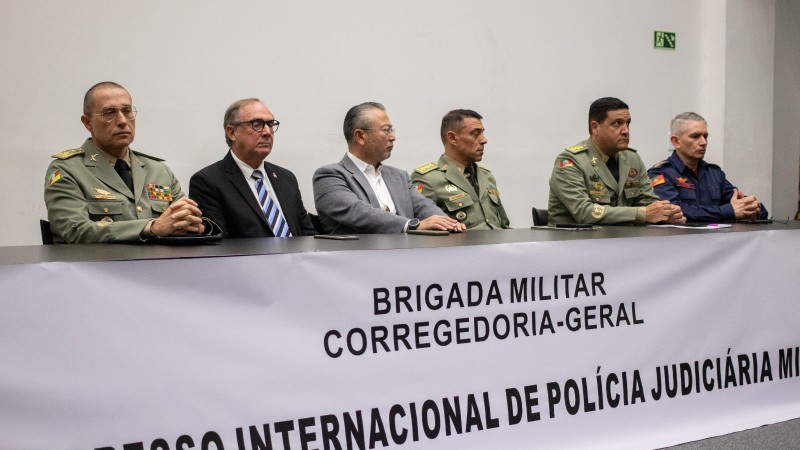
(232, 114)
(678, 124)
(88, 98)
(356, 118)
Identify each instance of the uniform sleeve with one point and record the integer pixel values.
(418, 180)
(568, 184)
(694, 212)
(203, 191)
(424, 207)
(501, 210)
(646, 195)
(68, 212)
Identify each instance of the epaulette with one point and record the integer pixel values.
(146, 156)
(425, 168)
(660, 163)
(633, 150)
(484, 169)
(577, 148)
(68, 153)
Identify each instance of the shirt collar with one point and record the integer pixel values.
(365, 168)
(454, 162)
(247, 171)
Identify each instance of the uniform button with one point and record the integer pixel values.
(460, 204)
(597, 199)
(139, 208)
(105, 210)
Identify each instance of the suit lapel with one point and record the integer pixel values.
(105, 172)
(625, 171)
(454, 176)
(359, 177)
(397, 189)
(139, 173)
(601, 170)
(235, 177)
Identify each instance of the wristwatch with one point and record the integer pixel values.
(413, 224)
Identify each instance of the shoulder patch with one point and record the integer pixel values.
(658, 180)
(68, 153)
(425, 168)
(146, 156)
(578, 148)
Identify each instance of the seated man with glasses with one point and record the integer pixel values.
(361, 195)
(106, 192)
(243, 193)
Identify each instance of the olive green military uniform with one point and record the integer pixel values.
(446, 185)
(88, 202)
(582, 189)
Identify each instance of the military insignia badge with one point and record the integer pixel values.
(425, 168)
(104, 194)
(461, 215)
(684, 183)
(93, 157)
(657, 180)
(565, 163)
(594, 177)
(633, 172)
(597, 211)
(450, 188)
(155, 192)
(594, 159)
(419, 188)
(598, 186)
(53, 177)
(458, 196)
(494, 191)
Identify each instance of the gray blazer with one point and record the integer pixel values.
(346, 203)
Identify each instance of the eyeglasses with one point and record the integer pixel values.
(387, 130)
(109, 114)
(259, 124)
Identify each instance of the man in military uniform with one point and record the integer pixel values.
(699, 188)
(601, 180)
(105, 192)
(461, 188)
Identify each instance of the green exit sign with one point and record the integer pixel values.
(664, 39)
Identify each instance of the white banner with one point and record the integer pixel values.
(612, 343)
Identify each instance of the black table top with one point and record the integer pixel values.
(262, 246)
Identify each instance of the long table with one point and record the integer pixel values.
(622, 337)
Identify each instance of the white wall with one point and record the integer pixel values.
(530, 67)
(786, 118)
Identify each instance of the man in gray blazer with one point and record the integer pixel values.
(360, 195)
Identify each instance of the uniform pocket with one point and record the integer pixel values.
(158, 207)
(455, 205)
(103, 208)
(687, 194)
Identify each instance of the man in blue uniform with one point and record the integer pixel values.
(699, 188)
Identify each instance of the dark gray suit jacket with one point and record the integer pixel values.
(346, 203)
(224, 196)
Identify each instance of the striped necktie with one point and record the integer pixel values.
(274, 217)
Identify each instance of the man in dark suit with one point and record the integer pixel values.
(361, 195)
(244, 194)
